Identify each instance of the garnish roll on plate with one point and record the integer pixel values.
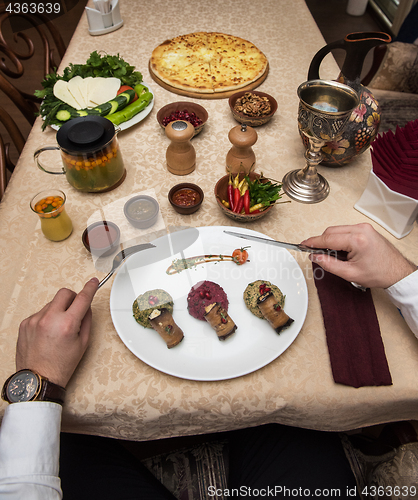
(219, 320)
(273, 312)
(162, 322)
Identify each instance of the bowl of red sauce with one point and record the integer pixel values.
(101, 238)
(186, 198)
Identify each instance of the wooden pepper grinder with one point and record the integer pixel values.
(241, 157)
(180, 155)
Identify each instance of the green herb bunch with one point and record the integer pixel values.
(263, 192)
(96, 65)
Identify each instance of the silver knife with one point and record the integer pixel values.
(339, 254)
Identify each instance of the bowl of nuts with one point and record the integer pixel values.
(252, 108)
(184, 110)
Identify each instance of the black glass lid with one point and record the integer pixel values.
(85, 134)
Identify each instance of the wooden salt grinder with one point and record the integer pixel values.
(180, 155)
(241, 157)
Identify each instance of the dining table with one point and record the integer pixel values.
(116, 393)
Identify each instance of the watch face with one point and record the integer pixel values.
(23, 386)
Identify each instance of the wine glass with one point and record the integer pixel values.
(324, 109)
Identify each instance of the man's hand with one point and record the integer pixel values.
(372, 260)
(53, 341)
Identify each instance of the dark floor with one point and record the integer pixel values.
(334, 24)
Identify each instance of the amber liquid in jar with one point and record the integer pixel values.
(94, 172)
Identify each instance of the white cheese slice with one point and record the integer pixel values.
(76, 90)
(61, 92)
(84, 90)
(101, 90)
(81, 93)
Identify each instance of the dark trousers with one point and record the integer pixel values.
(273, 461)
(96, 468)
(289, 462)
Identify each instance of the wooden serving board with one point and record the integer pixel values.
(214, 95)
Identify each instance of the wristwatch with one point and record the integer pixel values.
(26, 385)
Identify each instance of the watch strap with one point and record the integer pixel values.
(51, 392)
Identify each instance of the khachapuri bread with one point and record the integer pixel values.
(208, 62)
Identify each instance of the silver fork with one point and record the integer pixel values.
(121, 256)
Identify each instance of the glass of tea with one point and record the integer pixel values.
(49, 205)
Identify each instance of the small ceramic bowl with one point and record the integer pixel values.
(253, 121)
(221, 193)
(179, 197)
(101, 238)
(191, 107)
(141, 211)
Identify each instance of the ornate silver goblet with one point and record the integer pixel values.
(324, 109)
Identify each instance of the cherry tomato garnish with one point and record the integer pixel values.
(240, 255)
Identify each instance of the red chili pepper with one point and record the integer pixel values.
(247, 201)
(237, 196)
(230, 193)
(240, 205)
(255, 212)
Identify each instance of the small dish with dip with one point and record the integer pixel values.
(141, 211)
(186, 198)
(101, 238)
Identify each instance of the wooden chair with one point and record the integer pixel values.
(15, 48)
(39, 43)
(24, 101)
(6, 163)
(408, 33)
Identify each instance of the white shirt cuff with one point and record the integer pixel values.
(404, 294)
(29, 450)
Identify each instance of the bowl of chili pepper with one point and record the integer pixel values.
(183, 110)
(186, 198)
(233, 196)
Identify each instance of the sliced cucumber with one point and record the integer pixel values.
(103, 110)
(114, 107)
(63, 115)
(107, 108)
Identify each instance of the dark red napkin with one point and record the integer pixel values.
(355, 346)
(395, 159)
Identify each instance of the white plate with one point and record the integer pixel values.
(200, 355)
(136, 119)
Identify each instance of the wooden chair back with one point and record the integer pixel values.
(6, 162)
(11, 47)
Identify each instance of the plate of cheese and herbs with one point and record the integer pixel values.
(105, 85)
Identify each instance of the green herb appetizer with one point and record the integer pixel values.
(91, 89)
